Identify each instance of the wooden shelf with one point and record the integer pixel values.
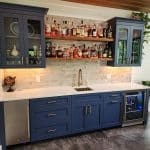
(74, 38)
(101, 59)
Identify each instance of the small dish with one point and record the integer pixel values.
(14, 28)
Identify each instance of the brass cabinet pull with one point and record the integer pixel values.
(51, 130)
(51, 102)
(51, 114)
(27, 60)
(22, 60)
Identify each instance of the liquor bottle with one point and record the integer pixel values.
(59, 52)
(54, 28)
(64, 28)
(48, 49)
(59, 30)
(78, 31)
(100, 51)
(75, 52)
(105, 52)
(69, 29)
(100, 31)
(80, 51)
(94, 31)
(85, 31)
(90, 33)
(84, 52)
(109, 32)
(110, 52)
(82, 28)
(47, 27)
(104, 32)
(74, 30)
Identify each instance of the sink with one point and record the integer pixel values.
(83, 89)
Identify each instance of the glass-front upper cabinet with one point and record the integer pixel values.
(137, 36)
(12, 46)
(34, 41)
(22, 42)
(123, 33)
(127, 48)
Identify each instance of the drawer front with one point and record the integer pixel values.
(42, 104)
(50, 132)
(50, 117)
(113, 97)
(86, 100)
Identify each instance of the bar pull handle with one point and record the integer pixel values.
(90, 110)
(114, 95)
(51, 102)
(114, 102)
(51, 115)
(51, 130)
(86, 110)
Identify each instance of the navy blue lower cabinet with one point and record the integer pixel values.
(112, 110)
(86, 113)
(50, 117)
(2, 128)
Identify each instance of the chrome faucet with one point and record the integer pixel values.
(80, 81)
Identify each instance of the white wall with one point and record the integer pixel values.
(58, 7)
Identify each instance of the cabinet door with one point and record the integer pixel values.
(12, 40)
(78, 118)
(34, 41)
(122, 45)
(136, 45)
(92, 119)
(112, 112)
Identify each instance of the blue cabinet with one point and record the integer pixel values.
(22, 36)
(2, 128)
(127, 48)
(86, 112)
(112, 110)
(50, 117)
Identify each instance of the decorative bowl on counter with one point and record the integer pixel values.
(147, 83)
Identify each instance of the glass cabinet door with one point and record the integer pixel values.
(136, 35)
(12, 40)
(34, 41)
(122, 45)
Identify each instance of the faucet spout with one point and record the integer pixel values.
(80, 81)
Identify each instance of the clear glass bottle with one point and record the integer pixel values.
(82, 29)
(94, 31)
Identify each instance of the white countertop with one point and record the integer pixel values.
(66, 90)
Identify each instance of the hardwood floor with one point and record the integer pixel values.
(127, 138)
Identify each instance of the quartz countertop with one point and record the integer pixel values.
(20, 94)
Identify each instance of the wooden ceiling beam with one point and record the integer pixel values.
(134, 5)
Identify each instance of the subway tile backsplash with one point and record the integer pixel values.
(65, 73)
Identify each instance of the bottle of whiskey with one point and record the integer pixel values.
(109, 32)
(69, 29)
(82, 28)
(74, 30)
(90, 31)
(94, 31)
(104, 32)
(64, 29)
(78, 31)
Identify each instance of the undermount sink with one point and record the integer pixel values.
(83, 89)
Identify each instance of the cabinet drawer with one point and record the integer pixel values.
(112, 96)
(42, 119)
(85, 100)
(40, 104)
(50, 132)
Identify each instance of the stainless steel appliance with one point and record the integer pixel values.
(134, 107)
(17, 122)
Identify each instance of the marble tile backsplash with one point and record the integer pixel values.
(65, 73)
